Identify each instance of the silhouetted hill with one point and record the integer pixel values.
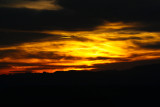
(134, 87)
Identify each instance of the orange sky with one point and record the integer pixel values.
(81, 50)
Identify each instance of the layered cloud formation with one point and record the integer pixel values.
(49, 35)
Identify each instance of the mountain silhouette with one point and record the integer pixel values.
(138, 86)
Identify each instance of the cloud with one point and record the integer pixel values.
(31, 4)
(81, 33)
(25, 19)
(21, 71)
(151, 45)
(77, 48)
(144, 11)
(116, 10)
(81, 14)
(125, 38)
(17, 37)
(124, 65)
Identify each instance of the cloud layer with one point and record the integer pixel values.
(52, 35)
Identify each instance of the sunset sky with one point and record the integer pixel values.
(62, 35)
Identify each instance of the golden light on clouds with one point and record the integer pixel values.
(36, 5)
(81, 50)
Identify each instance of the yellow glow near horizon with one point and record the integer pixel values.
(108, 43)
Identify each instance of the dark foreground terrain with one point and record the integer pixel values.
(138, 87)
